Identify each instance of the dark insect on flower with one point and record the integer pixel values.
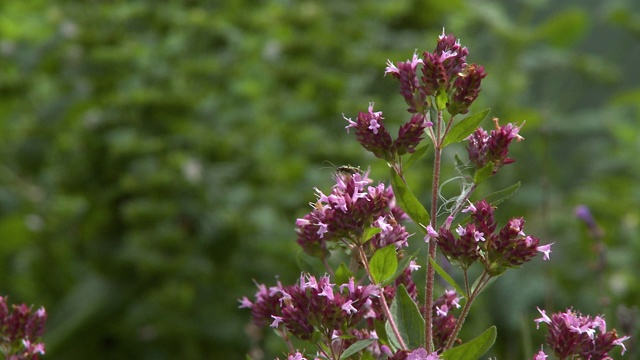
(348, 170)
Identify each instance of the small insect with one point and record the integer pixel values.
(345, 169)
(348, 170)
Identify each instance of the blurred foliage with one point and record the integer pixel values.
(155, 155)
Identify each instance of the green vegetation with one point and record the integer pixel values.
(155, 155)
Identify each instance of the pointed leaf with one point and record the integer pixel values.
(406, 315)
(408, 201)
(391, 336)
(483, 173)
(502, 195)
(447, 277)
(464, 128)
(417, 155)
(369, 233)
(403, 265)
(474, 349)
(379, 326)
(357, 346)
(383, 263)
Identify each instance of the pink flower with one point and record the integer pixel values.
(391, 68)
(348, 307)
(276, 321)
(413, 266)
(546, 250)
(245, 303)
(327, 290)
(544, 318)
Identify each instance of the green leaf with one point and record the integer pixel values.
(369, 233)
(465, 127)
(502, 195)
(441, 100)
(379, 326)
(417, 155)
(383, 263)
(474, 349)
(391, 336)
(343, 273)
(357, 346)
(406, 315)
(447, 277)
(483, 173)
(403, 265)
(408, 201)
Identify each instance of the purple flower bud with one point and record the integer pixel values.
(434, 74)
(467, 89)
(410, 88)
(462, 251)
(410, 134)
(372, 134)
(494, 147)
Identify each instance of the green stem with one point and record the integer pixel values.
(484, 279)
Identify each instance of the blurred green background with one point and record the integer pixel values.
(155, 155)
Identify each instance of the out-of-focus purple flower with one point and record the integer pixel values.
(540, 355)
(583, 213)
(573, 334)
(422, 354)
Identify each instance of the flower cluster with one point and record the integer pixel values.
(444, 71)
(445, 75)
(478, 241)
(21, 330)
(443, 320)
(374, 137)
(312, 305)
(572, 334)
(351, 318)
(492, 148)
(344, 215)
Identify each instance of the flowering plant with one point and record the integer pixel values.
(21, 330)
(367, 306)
